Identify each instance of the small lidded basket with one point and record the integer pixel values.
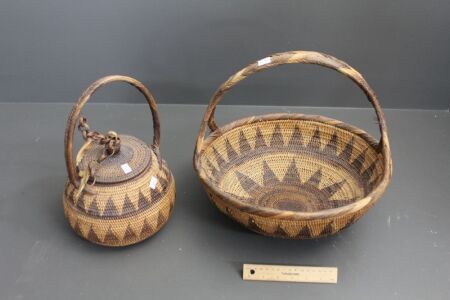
(293, 175)
(120, 191)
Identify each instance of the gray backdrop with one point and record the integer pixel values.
(52, 49)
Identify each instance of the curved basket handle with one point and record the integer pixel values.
(75, 114)
(304, 57)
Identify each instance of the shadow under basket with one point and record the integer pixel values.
(292, 175)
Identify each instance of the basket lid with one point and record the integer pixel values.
(132, 159)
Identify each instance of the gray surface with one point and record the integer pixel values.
(399, 250)
(51, 50)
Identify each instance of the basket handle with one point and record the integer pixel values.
(76, 110)
(304, 57)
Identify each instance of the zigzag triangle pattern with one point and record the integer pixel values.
(292, 169)
(295, 141)
(117, 220)
(111, 236)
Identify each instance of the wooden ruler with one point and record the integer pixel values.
(290, 273)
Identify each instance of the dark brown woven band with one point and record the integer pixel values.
(76, 110)
(305, 57)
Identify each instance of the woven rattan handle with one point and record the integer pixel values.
(75, 114)
(305, 57)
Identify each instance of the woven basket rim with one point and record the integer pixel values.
(369, 199)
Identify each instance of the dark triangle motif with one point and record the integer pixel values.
(315, 178)
(277, 137)
(327, 229)
(246, 182)
(280, 232)
(142, 202)
(129, 234)
(230, 151)
(296, 138)
(304, 233)
(333, 188)
(376, 179)
(219, 159)
(127, 207)
(146, 229)
(331, 146)
(374, 182)
(359, 161)
(346, 154)
(314, 143)
(244, 146)
(163, 182)
(212, 168)
(292, 175)
(81, 204)
(110, 209)
(110, 237)
(93, 208)
(259, 139)
(92, 236)
(161, 219)
(367, 174)
(351, 221)
(155, 196)
(268, 175)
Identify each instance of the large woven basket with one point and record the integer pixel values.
(131, 194)
(293, 175)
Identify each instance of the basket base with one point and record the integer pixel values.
(287, 229)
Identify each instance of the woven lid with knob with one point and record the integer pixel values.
(132, 159)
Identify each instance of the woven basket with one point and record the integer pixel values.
(293, 175)
(131, 195)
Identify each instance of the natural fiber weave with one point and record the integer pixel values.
(123, 214)
(133, 152)
(119, 207)
(292, 175)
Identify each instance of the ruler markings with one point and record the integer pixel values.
(289, 273)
